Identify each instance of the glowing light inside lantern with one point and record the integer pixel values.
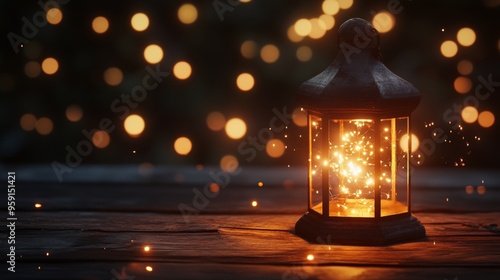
(350, 161)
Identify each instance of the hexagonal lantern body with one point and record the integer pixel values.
(359, 147)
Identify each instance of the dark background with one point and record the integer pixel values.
(212, 47)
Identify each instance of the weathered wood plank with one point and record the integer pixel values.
(244, 239)
(217, 271)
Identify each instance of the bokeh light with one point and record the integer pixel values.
(292, 35)
(27, 122)
(183, 146)
(248, 49)
(216, 121)
(299, 117)
(469, 114)
(449, 48)
(44, 126)
(139, 22)
(486, 119)
(275, 148)
(38, 205)
(269, 53)
(465, 67)
(235, 128)
(54, 16)
(149, 268)
(304, 53)
(214, 188)
(403, 142)
(481, 190)
(50, 65)
(462, 85)
(383, 21)
(345, 4)
(245, 81)
(113, 76)
(182, 70)
(318, 28)
(74, 113)
(310, 257)
(469, 189)
(330, 7)
(153, 54)
(229, 163)
(466, 37)
(100, 24)
(32, 69)
(101, 139)
(254, 203)
(134, 125)
(303, 27)
(187, 13)
(328, 20)
(260, 184)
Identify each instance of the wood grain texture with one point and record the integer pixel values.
(98, 230)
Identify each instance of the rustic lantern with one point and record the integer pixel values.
(359, 147)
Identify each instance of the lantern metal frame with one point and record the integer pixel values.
(358, 87)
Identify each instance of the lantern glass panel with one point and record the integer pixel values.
(351, 167)
(315, 164)
(394, 180)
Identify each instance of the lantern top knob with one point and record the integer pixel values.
(358, 33)
(357, 83)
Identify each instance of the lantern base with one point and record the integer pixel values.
(359, 231)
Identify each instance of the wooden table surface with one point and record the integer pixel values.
(98, 221)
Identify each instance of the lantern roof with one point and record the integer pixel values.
(357, 82)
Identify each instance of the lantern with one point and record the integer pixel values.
(359, 147)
